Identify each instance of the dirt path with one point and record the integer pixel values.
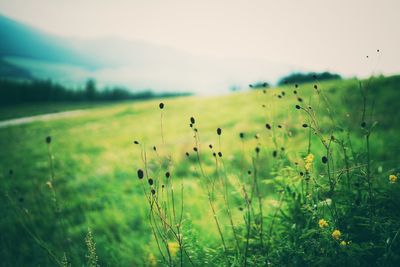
(44, 117)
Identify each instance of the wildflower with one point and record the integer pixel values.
(392, 178)
(173, 248)
(336, 234)
(309, 160)
(344, 243)
(152, 260)
(322, 223)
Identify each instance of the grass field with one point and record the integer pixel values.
(86, 177)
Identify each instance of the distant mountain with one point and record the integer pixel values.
(20, 40)
(137, 65)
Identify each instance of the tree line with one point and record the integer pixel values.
(34, 91)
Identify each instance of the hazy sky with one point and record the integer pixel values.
(333, 35)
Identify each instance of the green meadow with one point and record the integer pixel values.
(75, 199)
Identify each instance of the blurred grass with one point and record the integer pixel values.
(95, 163)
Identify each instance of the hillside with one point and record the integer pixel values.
(95, 165)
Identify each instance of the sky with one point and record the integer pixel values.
(319, 35)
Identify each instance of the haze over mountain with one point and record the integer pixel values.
(134, 64)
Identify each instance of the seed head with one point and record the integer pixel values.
(151, 181)
(154, 148)
(153, 192)
(210, 146)
(275, 153)
(219, 131)
(305, 125)
(187, 154)
(241, 135)
(249, 172)
(296, 85)
(283, 93)
(295, 92)
(268, 126)
(48, 139)
(167, 174)
(192, 120)
(195, 149)
(140, 174)
(220, 154)
(214, 155)
(257, 150)
(324, 159)
(315, 86)
(300, 99)
(297, 107)
(136, 142)
(161, 105)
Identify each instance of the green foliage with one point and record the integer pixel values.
(297, 78)
(259, 203)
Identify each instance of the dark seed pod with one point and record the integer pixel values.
(248, 172)
(219, 131)
(283, 93)
(220, 154)
(295, 92)
(210, 146)
(195, 149)
(151, 181)
(279, 126)
(315, 86)
(48, 139)
(167, 174)
(241, 135)
(257, 150)
(161, 105)
(136, 142)
(301, 173)
(192, 120)
(190, 125)
(154, 148)
(297, 107)
(268, 126)
(279, 96)
(296, 85)
(324, 159)
(363, 124)
(240, 208)
(187, 154)
(275, 153)
(300, 99)
(153, 192)
(162, 186)
(282, 149)
(214, 155)
(305, 125)
(140, 174)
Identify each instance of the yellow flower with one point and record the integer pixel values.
(336, 234)
(309, 158)
(308, 166)
(322, 223)
(152, 260)
(173, 248)
(392, 178)
(344, 243)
